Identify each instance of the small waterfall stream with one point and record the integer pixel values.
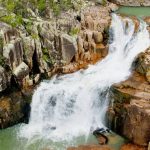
(75, 104)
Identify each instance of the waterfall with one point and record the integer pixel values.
(71, 105)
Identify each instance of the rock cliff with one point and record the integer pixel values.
(129, 114)
(41, 47)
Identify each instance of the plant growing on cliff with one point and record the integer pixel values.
(46, 57)
(13, 20)
(2, 60)
(74, 31)
(19, 7)
(59, 5)
(1, 43)
(102, 2)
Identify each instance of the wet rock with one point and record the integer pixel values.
(100, 135)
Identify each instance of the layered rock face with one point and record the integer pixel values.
(130, 113)
(92, 39)
(42, 47)
(132, 2)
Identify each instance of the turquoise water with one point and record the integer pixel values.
(134, 11)
(9, 140)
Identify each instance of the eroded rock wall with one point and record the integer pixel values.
(42, 47)
(129, 114)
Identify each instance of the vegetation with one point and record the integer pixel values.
(1, 44)
(74, 31)
(2, 60)
(19, 7)
(103, 2)
(13, 20)
(46, 57)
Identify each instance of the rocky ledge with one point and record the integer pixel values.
(129, 114)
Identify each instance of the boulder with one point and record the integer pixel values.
(21, 71)
(68, 47)
(142, 64)
(113, 7)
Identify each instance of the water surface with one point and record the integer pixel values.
(134, 11)
(10, 140)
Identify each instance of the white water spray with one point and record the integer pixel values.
(75, 104)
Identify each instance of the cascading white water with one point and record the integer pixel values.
(74, 104)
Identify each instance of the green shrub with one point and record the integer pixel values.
(74, 31)
(46, 57)
(19, 7)
(13, 20)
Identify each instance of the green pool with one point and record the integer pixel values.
(134, 11)
(10, 140)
